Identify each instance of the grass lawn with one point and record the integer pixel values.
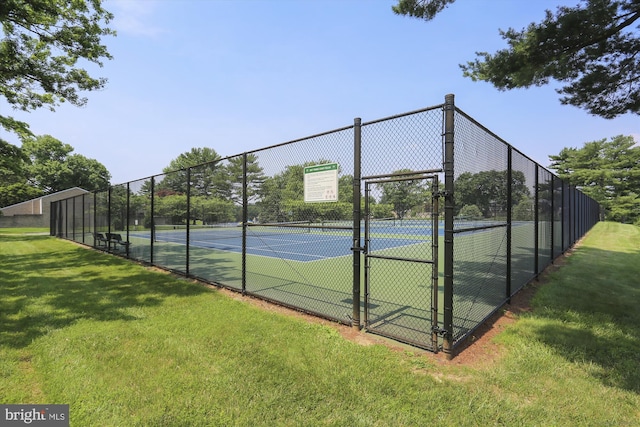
(125, 345)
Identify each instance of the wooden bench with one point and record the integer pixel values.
(117, 239)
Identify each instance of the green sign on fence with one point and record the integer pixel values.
(321, 183)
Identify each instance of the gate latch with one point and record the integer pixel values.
(446, 194)
(438, 330)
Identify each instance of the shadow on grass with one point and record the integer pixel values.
(590, 315)
(480, 282)
(57, 285)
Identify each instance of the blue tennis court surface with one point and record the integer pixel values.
(298, 247)
(301, 243)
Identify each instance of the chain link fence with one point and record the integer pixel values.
(418, 227)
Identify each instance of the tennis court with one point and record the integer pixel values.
(305, 242)
(295, 242)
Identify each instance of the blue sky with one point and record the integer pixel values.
(240, 75)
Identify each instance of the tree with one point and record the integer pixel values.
(53, 167)
(470, 212)
(207, 173)
(524, 211)
(488, 190)
(281, 197)
(255, 177)
(592, 48)
(404, 194)
(607, 171)
(43, 42)
(12, 164)
(16, 193)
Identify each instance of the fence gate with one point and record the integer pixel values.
(401, 259)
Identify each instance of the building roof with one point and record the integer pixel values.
(34, 206)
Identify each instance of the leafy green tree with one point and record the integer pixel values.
(607, 171)
(405, 194)
(488, 190)
(12, 164)
(53, 167)
(118, 207)
(470, 212)
(13, 176)
(211, 210)
(523, 211)
(625, 208)
(16, 193)
(206, 178)
(281, 197)
(381, 210)
(173, 209)
(43, 42)
(285, 186)
(592, 48)
(255, 177)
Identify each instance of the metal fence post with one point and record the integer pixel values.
(188, 231)
(128, 215)
(435, 297)
(153, 219)
(245, 218)
(83, 218)
(95, 216)
(509, 219)
(536, 223)
(449, 205)
(73, 220)
(109, 214)
(553, 217)
(357, 177)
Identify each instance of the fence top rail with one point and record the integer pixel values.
(409, 113)
(411, 174)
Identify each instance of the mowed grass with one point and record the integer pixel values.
(125, 345)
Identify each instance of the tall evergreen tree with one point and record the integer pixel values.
(607, 171)
(592, 48)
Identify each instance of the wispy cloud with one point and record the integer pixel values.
(134, 17)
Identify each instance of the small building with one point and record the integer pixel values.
(35, 212)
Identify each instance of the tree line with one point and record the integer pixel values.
(45, 165)
(215, 190)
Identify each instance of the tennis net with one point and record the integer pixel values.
(232, 230)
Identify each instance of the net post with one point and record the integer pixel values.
(449, 205)
(357, 177)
